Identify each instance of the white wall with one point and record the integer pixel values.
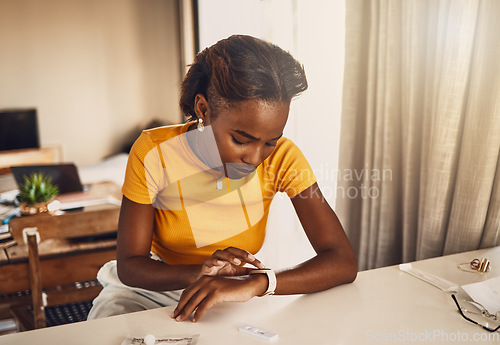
(313, 31)
(94, 69)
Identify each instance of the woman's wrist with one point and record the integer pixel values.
(199, 273)
(259, 283)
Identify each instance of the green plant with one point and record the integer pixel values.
(37, 188)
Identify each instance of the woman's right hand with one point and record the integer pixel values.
(228, 262)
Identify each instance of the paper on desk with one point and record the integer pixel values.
(68, 205)
(439, 282)
(487, 293)
(88, 198)
(9, 196)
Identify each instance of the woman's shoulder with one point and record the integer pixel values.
(150, 139)
(159, 135)
(285, 148)
(288, 169)
(287, 155)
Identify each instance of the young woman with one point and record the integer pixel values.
(197, 196)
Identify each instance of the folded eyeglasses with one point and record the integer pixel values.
(480, 311)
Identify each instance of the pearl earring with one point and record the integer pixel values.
(200, 126)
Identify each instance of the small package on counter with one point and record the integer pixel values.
(163, 340)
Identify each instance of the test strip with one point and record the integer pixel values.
(259, 333)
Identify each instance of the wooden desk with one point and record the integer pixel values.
(3, 257)
(66, 264)
(73, 246)
(62, 256)
(380, 302)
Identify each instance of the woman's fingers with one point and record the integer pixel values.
(207, 303)
(227, 256)
(212, 266)
(208, 291)
(237, 256)
(181, 311)
(200, 295)
(229, 262)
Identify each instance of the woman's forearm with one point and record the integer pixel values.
(150, 274)
(322, 272)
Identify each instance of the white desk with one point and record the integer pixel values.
(379, 303)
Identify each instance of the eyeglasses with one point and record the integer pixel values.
(482, 311)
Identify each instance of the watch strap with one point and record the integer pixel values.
(271, 278)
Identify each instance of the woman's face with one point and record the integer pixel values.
(247, 133)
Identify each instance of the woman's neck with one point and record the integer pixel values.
(205, 152)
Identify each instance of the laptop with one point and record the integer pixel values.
(64, 176)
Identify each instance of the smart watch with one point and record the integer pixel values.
(271, 278)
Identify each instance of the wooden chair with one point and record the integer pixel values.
(59, 254)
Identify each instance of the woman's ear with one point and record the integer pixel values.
(200, 106)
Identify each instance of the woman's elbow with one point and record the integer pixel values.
(352, 272)
(124, 273)
(349, 268)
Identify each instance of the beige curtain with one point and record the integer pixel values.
(420, 136)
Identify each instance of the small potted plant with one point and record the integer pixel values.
(36, 194)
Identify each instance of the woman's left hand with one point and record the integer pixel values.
(209, 290)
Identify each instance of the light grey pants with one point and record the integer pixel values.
(117, 298)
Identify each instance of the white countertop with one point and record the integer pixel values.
(382, 306)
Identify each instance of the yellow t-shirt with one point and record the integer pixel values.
(197, 212)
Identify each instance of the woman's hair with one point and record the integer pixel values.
(241, 68)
